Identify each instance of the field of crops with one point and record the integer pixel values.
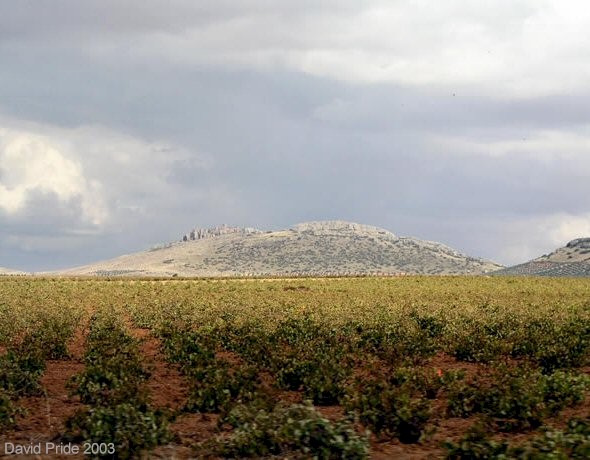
(409, 367)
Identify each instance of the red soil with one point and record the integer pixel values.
(46, 415)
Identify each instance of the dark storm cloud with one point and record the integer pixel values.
(61, 19)
(67, 22)
(175, 115)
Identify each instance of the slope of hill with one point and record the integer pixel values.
(8, 271)
(571, 260)
(313, 248)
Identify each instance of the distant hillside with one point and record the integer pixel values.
(314, 248)
(571, 260)
(8, 271)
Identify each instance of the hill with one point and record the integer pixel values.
(8, 271)
(313, 248)
(571, 260)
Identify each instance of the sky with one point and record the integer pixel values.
(126, 124)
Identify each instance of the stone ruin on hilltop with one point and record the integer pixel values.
(581, 243)
(204, 233)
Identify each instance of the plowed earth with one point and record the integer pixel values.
(44, 420)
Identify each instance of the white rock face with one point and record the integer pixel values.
(331, 226)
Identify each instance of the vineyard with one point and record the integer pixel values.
(328, 368)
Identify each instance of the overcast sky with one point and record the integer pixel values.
(124, 124)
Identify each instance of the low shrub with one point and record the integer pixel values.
(107, 338)
(325, 384)
(130, 428)
(109, 383)
(251, 341)
(294, 331)
(518, 398)
(573, 443)
(397, 343)
(296, 431)
(188, 348)
(49, 338)
(217, 388)
(322, 376)
(112, 383)
(431, 325)
(477, 343)
(476, 445)
(553, 345)
(389, 410)
(567, 347)
(8, 411)
(114, 370)
(427, 382)
(20, 373)
(564, 389)
(291, 371)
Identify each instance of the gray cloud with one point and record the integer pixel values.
(267, 114)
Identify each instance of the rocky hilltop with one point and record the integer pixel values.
(204, 233)
(571, 260)
(312, 248)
